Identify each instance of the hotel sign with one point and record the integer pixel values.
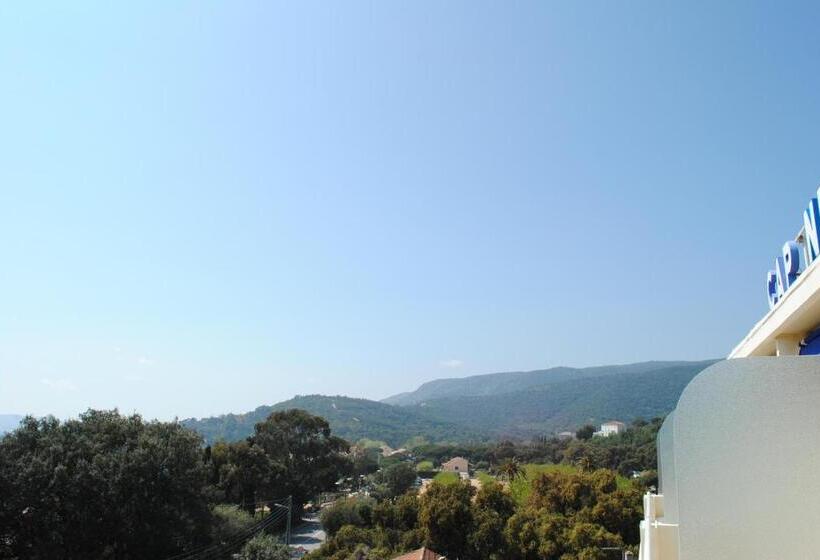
(787, 266)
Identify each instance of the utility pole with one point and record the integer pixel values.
(287, 530)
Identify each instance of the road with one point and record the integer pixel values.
(308, 534)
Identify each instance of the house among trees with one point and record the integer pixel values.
(611, 428)
(566, 435)
(457, 465)
(423, 553)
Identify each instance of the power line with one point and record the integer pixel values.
(237, 542)
(214, 550)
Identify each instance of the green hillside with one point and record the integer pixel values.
(352, 419)
(567, 404)
(514, 381)
(523, 405)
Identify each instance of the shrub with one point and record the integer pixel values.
(228, 521)
(264, 547)
(349, 511)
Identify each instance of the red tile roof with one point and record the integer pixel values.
(423, 553)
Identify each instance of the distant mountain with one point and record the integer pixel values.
(567, 403)
(352, 419)
(9, 422)
(513, 404)
(514, 381)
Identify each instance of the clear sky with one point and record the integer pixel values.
(205, 207)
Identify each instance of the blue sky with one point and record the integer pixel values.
(207, 207)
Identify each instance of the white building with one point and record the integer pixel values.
(610, 429)
(722, 489)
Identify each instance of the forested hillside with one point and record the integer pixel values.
(352, 419)
(567, 404)
(514, 381)
(510, 404)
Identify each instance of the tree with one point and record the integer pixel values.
(492, 508)
(347, 511)
(535, 534)
(229, 521)
(396, 479)
(587, 541)
(511, 469)
(246, 470)
(401, 514)
(264, 547)
(574, 517)
(365, 462)
(446, 518)
(103, 486)
(302, 457)
(585, 432)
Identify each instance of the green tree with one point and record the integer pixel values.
(511, 469)
(533, 534)
(401, 513)
(245, 471)
(585, 432)
(587, 541)
(446, 518)
(492, 508)
(396, 479)
(229, 521)
(365, 461)
(347, 511)
(264, 547)
(301, 458)
(103, 486)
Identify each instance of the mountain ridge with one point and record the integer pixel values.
(506, 382)
(489, 406)
(350, 418)
(567, 404)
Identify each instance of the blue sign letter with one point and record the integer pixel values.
(811, 221)
(771, 288)
(791, 260)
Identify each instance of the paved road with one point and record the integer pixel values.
(308, 534)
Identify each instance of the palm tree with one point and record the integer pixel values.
(511, 469)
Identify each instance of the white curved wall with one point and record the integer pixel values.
(743, 447)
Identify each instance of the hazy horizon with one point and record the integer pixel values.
(381, 398)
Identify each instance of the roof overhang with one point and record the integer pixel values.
(796, 314)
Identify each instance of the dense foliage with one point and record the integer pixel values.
(633, 450)
(103, 486)
(117, 487)
(389, 527)
(230, 520)
(568, 516)
(113, 486)
(558, 500)
(394, 480)
(264, 547)
(357, 511)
